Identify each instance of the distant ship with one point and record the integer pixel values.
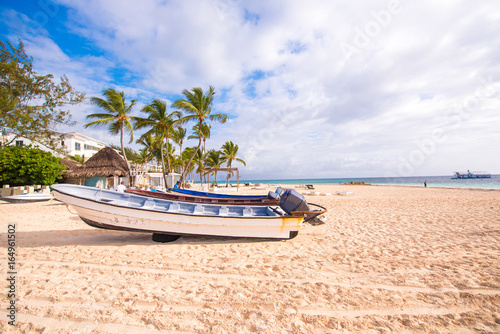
(471, 175)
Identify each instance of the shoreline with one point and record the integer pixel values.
(432, 181)
(387, 259)
(295, 186)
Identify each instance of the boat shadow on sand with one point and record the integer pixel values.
(96, 237)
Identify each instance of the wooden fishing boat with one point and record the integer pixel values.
(177, 196)
(27, 198)
(164, 218)
(471, 175)
(211, 195)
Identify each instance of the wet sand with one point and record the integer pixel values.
(386, 259)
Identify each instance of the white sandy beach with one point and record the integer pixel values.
(388, 259)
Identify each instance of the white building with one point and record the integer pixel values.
(73, 143)
(77, 144)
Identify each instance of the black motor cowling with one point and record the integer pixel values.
(275, 195)
(291, 200)
(272, 195)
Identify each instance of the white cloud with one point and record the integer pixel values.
(299, 105)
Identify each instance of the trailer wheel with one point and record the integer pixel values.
(158, 237)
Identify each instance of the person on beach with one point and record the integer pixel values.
(121, 188)
(425, 184)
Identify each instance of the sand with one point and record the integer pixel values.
(387, 259)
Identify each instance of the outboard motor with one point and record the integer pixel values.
(293, 201)
(275, 195)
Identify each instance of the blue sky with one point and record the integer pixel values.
(313, 89)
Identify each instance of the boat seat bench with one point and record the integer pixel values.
(191, 208)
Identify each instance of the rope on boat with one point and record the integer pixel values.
(73, 213)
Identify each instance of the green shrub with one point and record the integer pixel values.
(25, 166)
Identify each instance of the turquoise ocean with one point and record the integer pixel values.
(432, 181)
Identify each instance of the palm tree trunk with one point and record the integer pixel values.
(228, 174)
(191, 159)
(189, 163)
(168, 157)
(163, 165)
(180, 156)
(123, 147)
(131, 183)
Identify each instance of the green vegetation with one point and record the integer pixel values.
(115, 116)
(198, 107)
(78, 158)
(214, 160)
(229, 152)
(179, 135)
(31, 104)
(161, 124)
(21, 166)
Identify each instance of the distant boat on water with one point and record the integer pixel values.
(471, 175)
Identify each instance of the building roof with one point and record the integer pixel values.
(106, 162)
(70, 164)
(80, 136)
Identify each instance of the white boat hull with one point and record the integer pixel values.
(27, 198)
(147, 218)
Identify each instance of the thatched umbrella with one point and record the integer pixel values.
(107, 162)
(70, 164)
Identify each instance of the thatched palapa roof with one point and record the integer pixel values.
(107, 162)
(70, 164)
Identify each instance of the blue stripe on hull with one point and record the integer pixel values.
(205, 194)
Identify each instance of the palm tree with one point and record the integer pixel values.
(144, 156)
(229, 152)
(150, 144)
(178, 136)
(204, 132)
(186, 154)
(115, 115)
(176, 162)
(78, 158)
(131, 154)
(198, 107)
(215, 160)
(200, 160)
(169, 152)
(161, 124)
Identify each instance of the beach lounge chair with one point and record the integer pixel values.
(310, 186)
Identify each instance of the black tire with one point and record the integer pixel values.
(158, 237)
